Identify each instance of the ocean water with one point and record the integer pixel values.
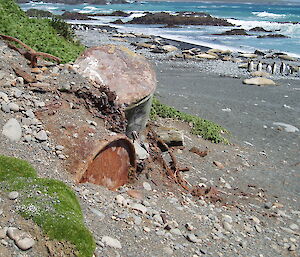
(282, 19)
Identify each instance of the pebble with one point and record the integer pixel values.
(137, 220)
(147, 186)
(111, 242)
(25, 243)
(4, 96)
(227, 218)
(120, 199)
(257, 228)
(13, 195)
(2, 233)
(12, 130)
(227, 226)
(41, 135)
(292, 247)
(158, 218)
(5, 107)
(192, 238)
(168, 250)
(294, 226)
(146, 229)
(255, 219)
(176, 231)
(29, 113)
(98, 213)
(219, 164)
(139, 207)
(13, 107)
(135, 194)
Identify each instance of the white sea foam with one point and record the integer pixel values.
(269, 15)
(288, 29)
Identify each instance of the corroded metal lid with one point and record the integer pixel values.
(129, 74)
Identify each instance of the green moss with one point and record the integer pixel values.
(205, 128)
(49, 203)
(37, 33)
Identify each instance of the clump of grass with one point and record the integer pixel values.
(40, 34)
(205, 128)
(49, 203)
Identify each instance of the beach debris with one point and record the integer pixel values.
(197, 151)
(30, 54)
(259, 81)
(173, 171)
(286, 127)
(25, 75)
(226, 110)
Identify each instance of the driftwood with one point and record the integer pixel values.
(30, 54)
(174, 171)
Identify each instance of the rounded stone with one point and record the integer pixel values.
(25, 243)
(13, 195)
(112, 242)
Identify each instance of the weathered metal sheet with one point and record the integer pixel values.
(129, 74)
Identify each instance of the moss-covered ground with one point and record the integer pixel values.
(43, 35)
(49, 203)
(205, 128)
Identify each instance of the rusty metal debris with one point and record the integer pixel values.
(21, 73)
(110, 163)
(174, 171)
(100, 101)
(198, 151)
(30, 54)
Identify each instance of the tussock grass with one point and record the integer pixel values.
(205, 128)
(43, 35)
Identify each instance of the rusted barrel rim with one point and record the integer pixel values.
(100, 146)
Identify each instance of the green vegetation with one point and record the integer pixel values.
(48, 202)
(44, 35)
(207, 129)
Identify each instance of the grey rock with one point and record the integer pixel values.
(137, 220)
(98, 213)
(41, 135)
(176, 231)
(5, 107)
(139, 207)
(147, 186)
(294, 226)
(192, 238)
(3, 232)
(13, 107)
(65, 87)
(4, 96)
(140, 152)
(59, 147)
(12, 130)
(13, 195)
(29, 113)
(158, 218)
(28, 138)
(25, 243)
(111, 242)
(17, 92)
(13, 233)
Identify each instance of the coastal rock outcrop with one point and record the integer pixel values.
(236, 32)
(180, 19)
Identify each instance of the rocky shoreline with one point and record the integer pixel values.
(153, 216)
